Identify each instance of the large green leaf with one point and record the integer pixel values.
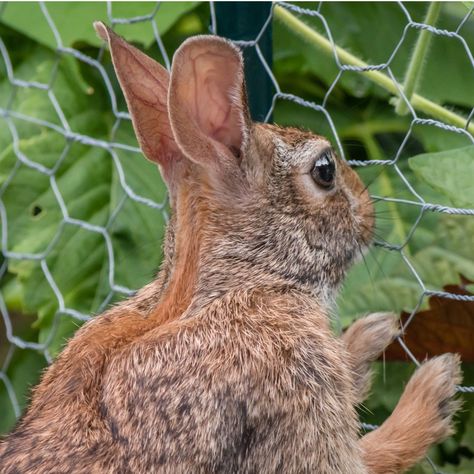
(73, 20)
(449, 172)
(78, 261)
(88, 183)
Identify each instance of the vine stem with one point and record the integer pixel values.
(415, 66)
(383, 80)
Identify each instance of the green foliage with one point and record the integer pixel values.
(363, 31)
(87, 181)
(448, 172)
(436, 163)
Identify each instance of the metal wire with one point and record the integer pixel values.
(10, 115)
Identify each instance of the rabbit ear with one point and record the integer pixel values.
(145, 85)
(207, 101)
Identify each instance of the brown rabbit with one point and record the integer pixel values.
(226, 362)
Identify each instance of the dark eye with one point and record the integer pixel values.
(324, 170)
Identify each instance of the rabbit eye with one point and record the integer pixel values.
(324, 170)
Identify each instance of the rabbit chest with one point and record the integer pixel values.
(233, 394)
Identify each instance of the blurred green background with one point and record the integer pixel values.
(48, 169)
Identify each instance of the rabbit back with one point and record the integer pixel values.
(229, 389)
(218, 394)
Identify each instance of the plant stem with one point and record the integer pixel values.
(358, 130)
(418, 102)
(415, 66)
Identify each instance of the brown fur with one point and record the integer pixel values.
(226, 362)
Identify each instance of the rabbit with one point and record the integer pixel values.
(226, 362)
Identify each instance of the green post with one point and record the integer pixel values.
(243, 21)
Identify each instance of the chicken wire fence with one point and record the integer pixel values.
(11, 116)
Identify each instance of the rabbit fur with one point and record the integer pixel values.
(226, 362)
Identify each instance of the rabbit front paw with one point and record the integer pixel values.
(365, 340)
(430, 396)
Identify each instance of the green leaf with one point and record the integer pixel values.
(91, 191)
(448, 172)
(88, 182)
(386, 283)
(389, 380)
(73, 20)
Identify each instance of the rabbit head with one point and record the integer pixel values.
(254, 204)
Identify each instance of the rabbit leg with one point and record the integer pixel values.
(422, 417)
(365, 340)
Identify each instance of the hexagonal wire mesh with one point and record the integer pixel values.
(12, 115)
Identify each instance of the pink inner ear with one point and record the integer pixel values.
(206, 101)
(215, 92)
